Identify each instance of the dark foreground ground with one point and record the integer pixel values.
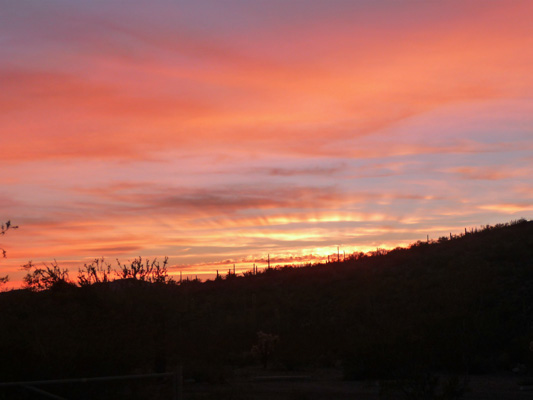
(328, 385)
(256, 384)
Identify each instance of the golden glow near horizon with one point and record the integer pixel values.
(218, 133)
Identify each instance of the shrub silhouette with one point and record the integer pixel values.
(153, 272)
(50, 276)
(97, 271)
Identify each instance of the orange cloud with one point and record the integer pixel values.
(507, 208)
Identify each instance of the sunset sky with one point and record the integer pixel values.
(218, 132)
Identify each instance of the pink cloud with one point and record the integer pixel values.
(488, 173)
(158, 104)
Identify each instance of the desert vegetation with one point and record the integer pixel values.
(458, 305)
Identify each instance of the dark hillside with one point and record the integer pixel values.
(458, 305)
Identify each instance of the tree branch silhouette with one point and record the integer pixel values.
(3, 230)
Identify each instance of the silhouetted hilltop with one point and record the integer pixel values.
(460, 304)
